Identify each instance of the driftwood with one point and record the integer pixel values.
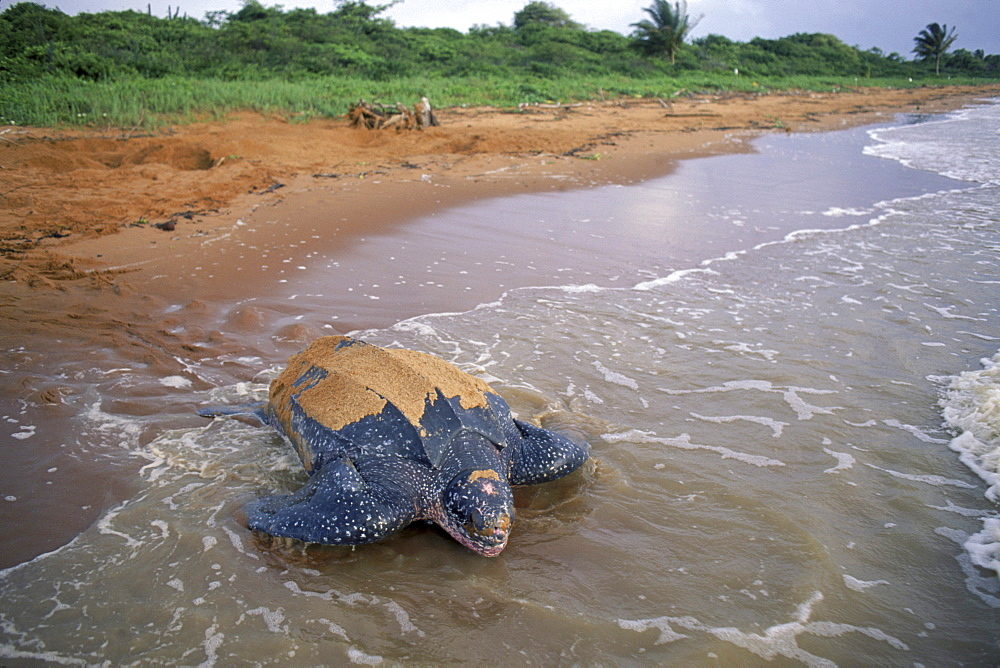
(377, 116)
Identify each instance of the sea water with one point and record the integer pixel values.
(795, 442)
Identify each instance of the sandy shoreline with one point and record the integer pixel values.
(89, 298)
(85, 204)
(754, 344)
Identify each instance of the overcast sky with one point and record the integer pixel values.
(888, 24)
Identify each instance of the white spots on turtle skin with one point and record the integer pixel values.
(543, 455)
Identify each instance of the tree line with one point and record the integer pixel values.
(260, 42)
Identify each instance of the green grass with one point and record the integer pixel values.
(149, 103)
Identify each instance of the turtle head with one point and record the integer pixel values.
(478, 509)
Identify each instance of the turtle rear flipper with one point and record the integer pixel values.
(543, 455)
(254, 414)
(345, 503)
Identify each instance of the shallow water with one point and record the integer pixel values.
(785, 363)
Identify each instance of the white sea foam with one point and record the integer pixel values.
(986, 588)
(179, 382)
(272, 618)
(935, 480)
(967, 150)
(362, 659)
(580, 289)
(27, 431)
(112, 429)
(984, 546)
(683, 442)
(844, 461)
(615, 377)
(776, 426)
(213, 641)
(778, 640)
(951, 507)
(335, 629)
(803, 410)
(105, 526)
(237, 542)
(674, 277)
(861, 585)
(403, 618)
(9, 652)
(971, 406)
(838, 212)
(917, 432)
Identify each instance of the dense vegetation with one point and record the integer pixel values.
(129, 66)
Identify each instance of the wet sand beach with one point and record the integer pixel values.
(249, 200)
(749, 323)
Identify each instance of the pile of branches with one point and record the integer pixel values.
(377, 116)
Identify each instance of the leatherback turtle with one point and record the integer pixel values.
(389, 436)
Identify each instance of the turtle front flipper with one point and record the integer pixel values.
(543, 455)
(346, 502)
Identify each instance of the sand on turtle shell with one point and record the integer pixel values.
(361, 379)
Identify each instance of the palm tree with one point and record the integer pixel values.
(932, 42)
(668, 28)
